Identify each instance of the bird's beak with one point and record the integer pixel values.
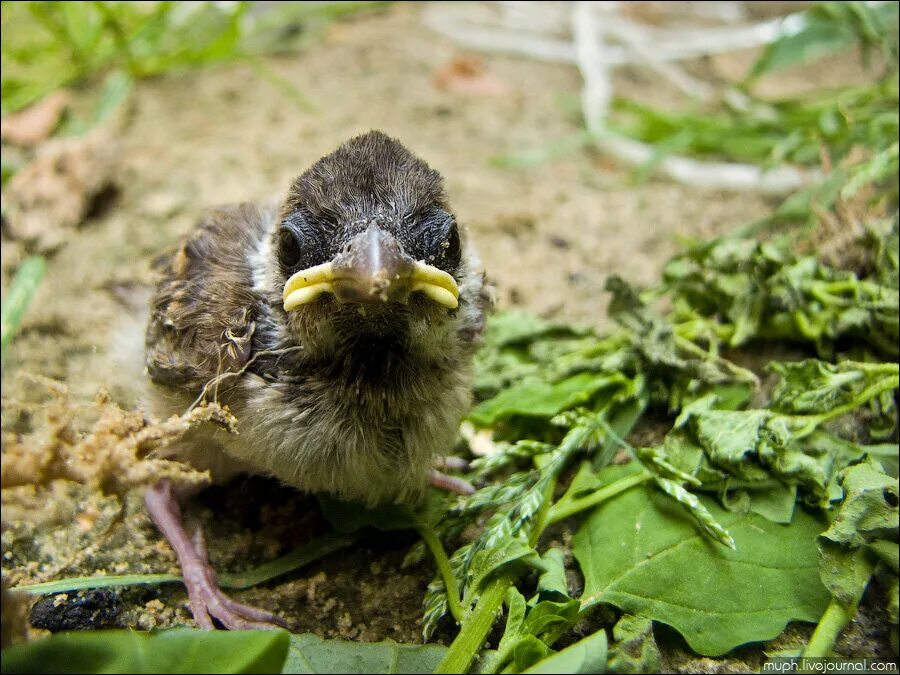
(373, 268)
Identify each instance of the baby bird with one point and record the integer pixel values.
(339, 328)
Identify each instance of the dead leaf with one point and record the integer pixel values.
(36, 122)
(52, 194)
(467, 75)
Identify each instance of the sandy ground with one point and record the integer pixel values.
(549, 234)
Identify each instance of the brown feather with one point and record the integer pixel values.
(204, 308)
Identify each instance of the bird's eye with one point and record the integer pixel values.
(300, 242)
(289, 251)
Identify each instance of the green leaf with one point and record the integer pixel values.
(311, 654)
(817, 38)
(730, 437)
(869, 510)
(813, 386)
(542, 399)
(774, 501)
(634, 649)
(179, 650)
(489, 561)
(17, 299)
(553, 572)
(826, 29)
(585, 656)
(639, 552)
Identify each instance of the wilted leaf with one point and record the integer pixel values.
(179, 650)
(641, 553)
(634, 649)
(868, 515)
(869, 510)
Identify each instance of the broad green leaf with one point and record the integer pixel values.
(585, 656)
(542, 399)
(514, 327)
(179, 650)
(774, 501)
(640, 552)
(311, 654)
(528, 651)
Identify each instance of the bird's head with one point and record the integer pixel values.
(366, 252)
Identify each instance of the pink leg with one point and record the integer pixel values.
(451, 463)
(451, 483)
(207, 599)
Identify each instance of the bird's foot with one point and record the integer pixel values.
(207, 600)
(451, 483)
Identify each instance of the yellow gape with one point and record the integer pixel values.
(307, 285)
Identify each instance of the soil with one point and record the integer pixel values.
(549, 235)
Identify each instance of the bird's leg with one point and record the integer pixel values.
(451, 463)
(207, 600)
(451, 483)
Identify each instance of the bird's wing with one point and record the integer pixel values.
(204, 310)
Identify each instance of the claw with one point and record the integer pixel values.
(207, 600)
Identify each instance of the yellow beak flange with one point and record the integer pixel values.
(307, 285)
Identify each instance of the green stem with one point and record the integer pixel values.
(476, 627)
(478, 621)
(443, 565)
(833, 621)
(564, 509)
(813, 421)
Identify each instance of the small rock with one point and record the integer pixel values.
(96, 608)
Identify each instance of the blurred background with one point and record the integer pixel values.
(577, 139)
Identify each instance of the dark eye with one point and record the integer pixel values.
(300, 243)
(289, 251)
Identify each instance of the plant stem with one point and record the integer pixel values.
(564, 509)
(443, 565)
(813, 421)
(476, 627)
(833, 621)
